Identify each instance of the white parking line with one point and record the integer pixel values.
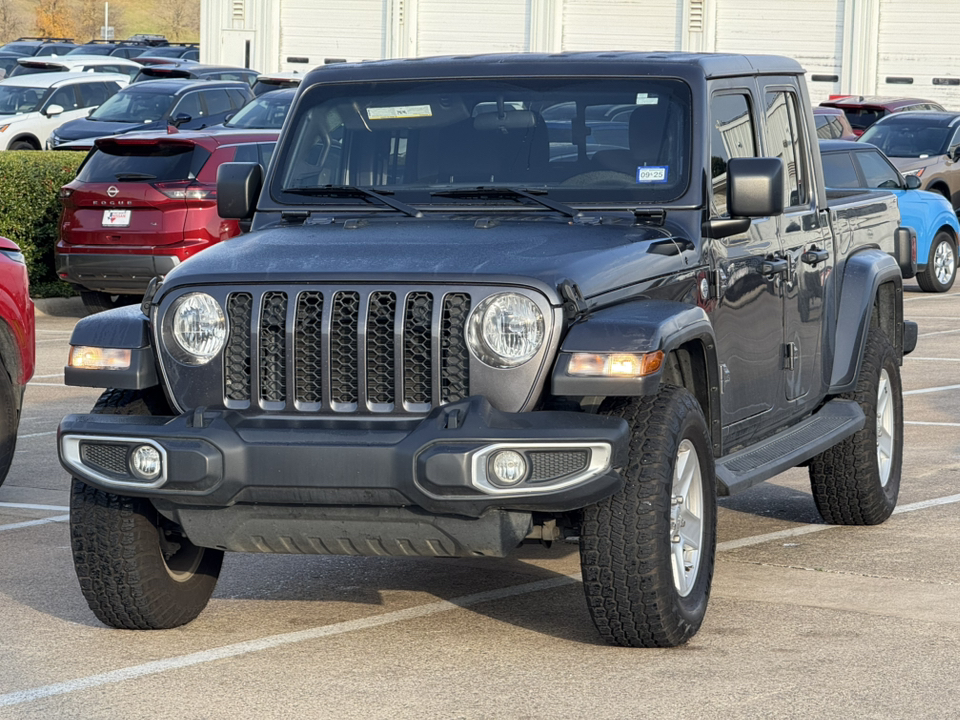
(29, 506)
(932, 297)
(31, 523)
(39, 434)
(272, 641)
(59, 374)
(47, 384)
(923, 391)
(911, 357)
(938, 332)
(937, 424)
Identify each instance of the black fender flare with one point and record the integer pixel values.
(863, 274)
(125, 328)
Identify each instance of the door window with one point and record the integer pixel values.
(877, 171)
(732, 135)
(839, 172)
(94, 94)
(189, 104)
(784, 141)
(218, 102)
(65, 97)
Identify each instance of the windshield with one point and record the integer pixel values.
(15, 100)
(264, 113)
(22, 48)
(587, 140)
(92, 50)
(167, 52)
(914, 138)
(133, 107)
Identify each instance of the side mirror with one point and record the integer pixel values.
(238, 187)
(754, 187)
(913, 182)
(53, 110)
(955, 155)
(229, 117)
(179, 119)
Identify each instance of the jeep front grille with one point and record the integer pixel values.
(346, 350)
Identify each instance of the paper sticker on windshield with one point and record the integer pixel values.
(399, 111)
(644, 99)
(652, 174)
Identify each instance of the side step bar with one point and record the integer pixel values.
(836, 420)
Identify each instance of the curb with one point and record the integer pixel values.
(59, 307)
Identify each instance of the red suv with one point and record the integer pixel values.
(16, 346)
(143, 203)
(862, 112)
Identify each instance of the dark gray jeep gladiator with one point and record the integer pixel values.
(493, 300)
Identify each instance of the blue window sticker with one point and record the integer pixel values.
(653, 174)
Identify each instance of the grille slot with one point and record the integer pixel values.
(346, 350)
(308, 348)
(553, 464)
(273, 347)
(236, 356)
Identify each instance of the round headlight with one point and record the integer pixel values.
(199, 328)
(506, 330)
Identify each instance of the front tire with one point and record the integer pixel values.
(857, 481)
(941, 270)
(9, 422)
(647, 553)
(137, 570)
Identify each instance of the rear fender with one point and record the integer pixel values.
(125, 328)
(863, 275)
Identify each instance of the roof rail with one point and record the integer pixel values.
(190, 45)
(46, 39)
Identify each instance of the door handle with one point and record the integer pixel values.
(814, 256)
(776, 266)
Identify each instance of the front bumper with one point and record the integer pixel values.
(438, 464)
(114, 273)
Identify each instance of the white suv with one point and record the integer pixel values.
(76, 63)
(33, 106)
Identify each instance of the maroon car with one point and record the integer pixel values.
(832, 124)
(143, 203)
(16, 346)
(862, 112)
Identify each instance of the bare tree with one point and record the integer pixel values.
(11, 21)
(54, 18)
(182, 19)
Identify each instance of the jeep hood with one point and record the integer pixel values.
(599, 257)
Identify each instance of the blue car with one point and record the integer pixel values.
(848, 165)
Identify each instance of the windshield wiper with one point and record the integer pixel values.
(354, 191)
(509, 192)
(135, 176)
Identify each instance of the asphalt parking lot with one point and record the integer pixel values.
(806, 620)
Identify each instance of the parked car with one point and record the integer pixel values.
(188, 104)
(268, 82)
(439, 341)
(925, 144)
(8, 62)
(862, 111)
(195, 71)
(832, 124)
(147, 60)
(266, 112)
(143, 203)
(176, 52)
(39, 46)
(111, 48)
(862, 166)
(17, 346)
(32, 107)
(76, 63)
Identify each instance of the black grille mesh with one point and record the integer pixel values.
(380, 347)
(308, 348)
(273, 355)
(343, 347)
(454, 358)
(326, 333)
(106, 458)
(551, 464)
(236, 356)
(417, 348)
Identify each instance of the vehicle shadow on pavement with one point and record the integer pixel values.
(775, 501)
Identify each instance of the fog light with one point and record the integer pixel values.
(145, 462)
(508, 467)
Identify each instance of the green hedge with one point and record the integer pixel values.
(29, 206)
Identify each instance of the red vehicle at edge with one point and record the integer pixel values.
(17, 346)
(143, 203)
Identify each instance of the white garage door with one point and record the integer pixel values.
(811, 32)
(621, 24)
(455, 27)
(918, 50)
(313, 30)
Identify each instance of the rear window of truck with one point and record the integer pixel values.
(118, 162)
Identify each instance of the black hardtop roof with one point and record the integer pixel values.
(574, 64)
(176, 86)
(830, 146)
